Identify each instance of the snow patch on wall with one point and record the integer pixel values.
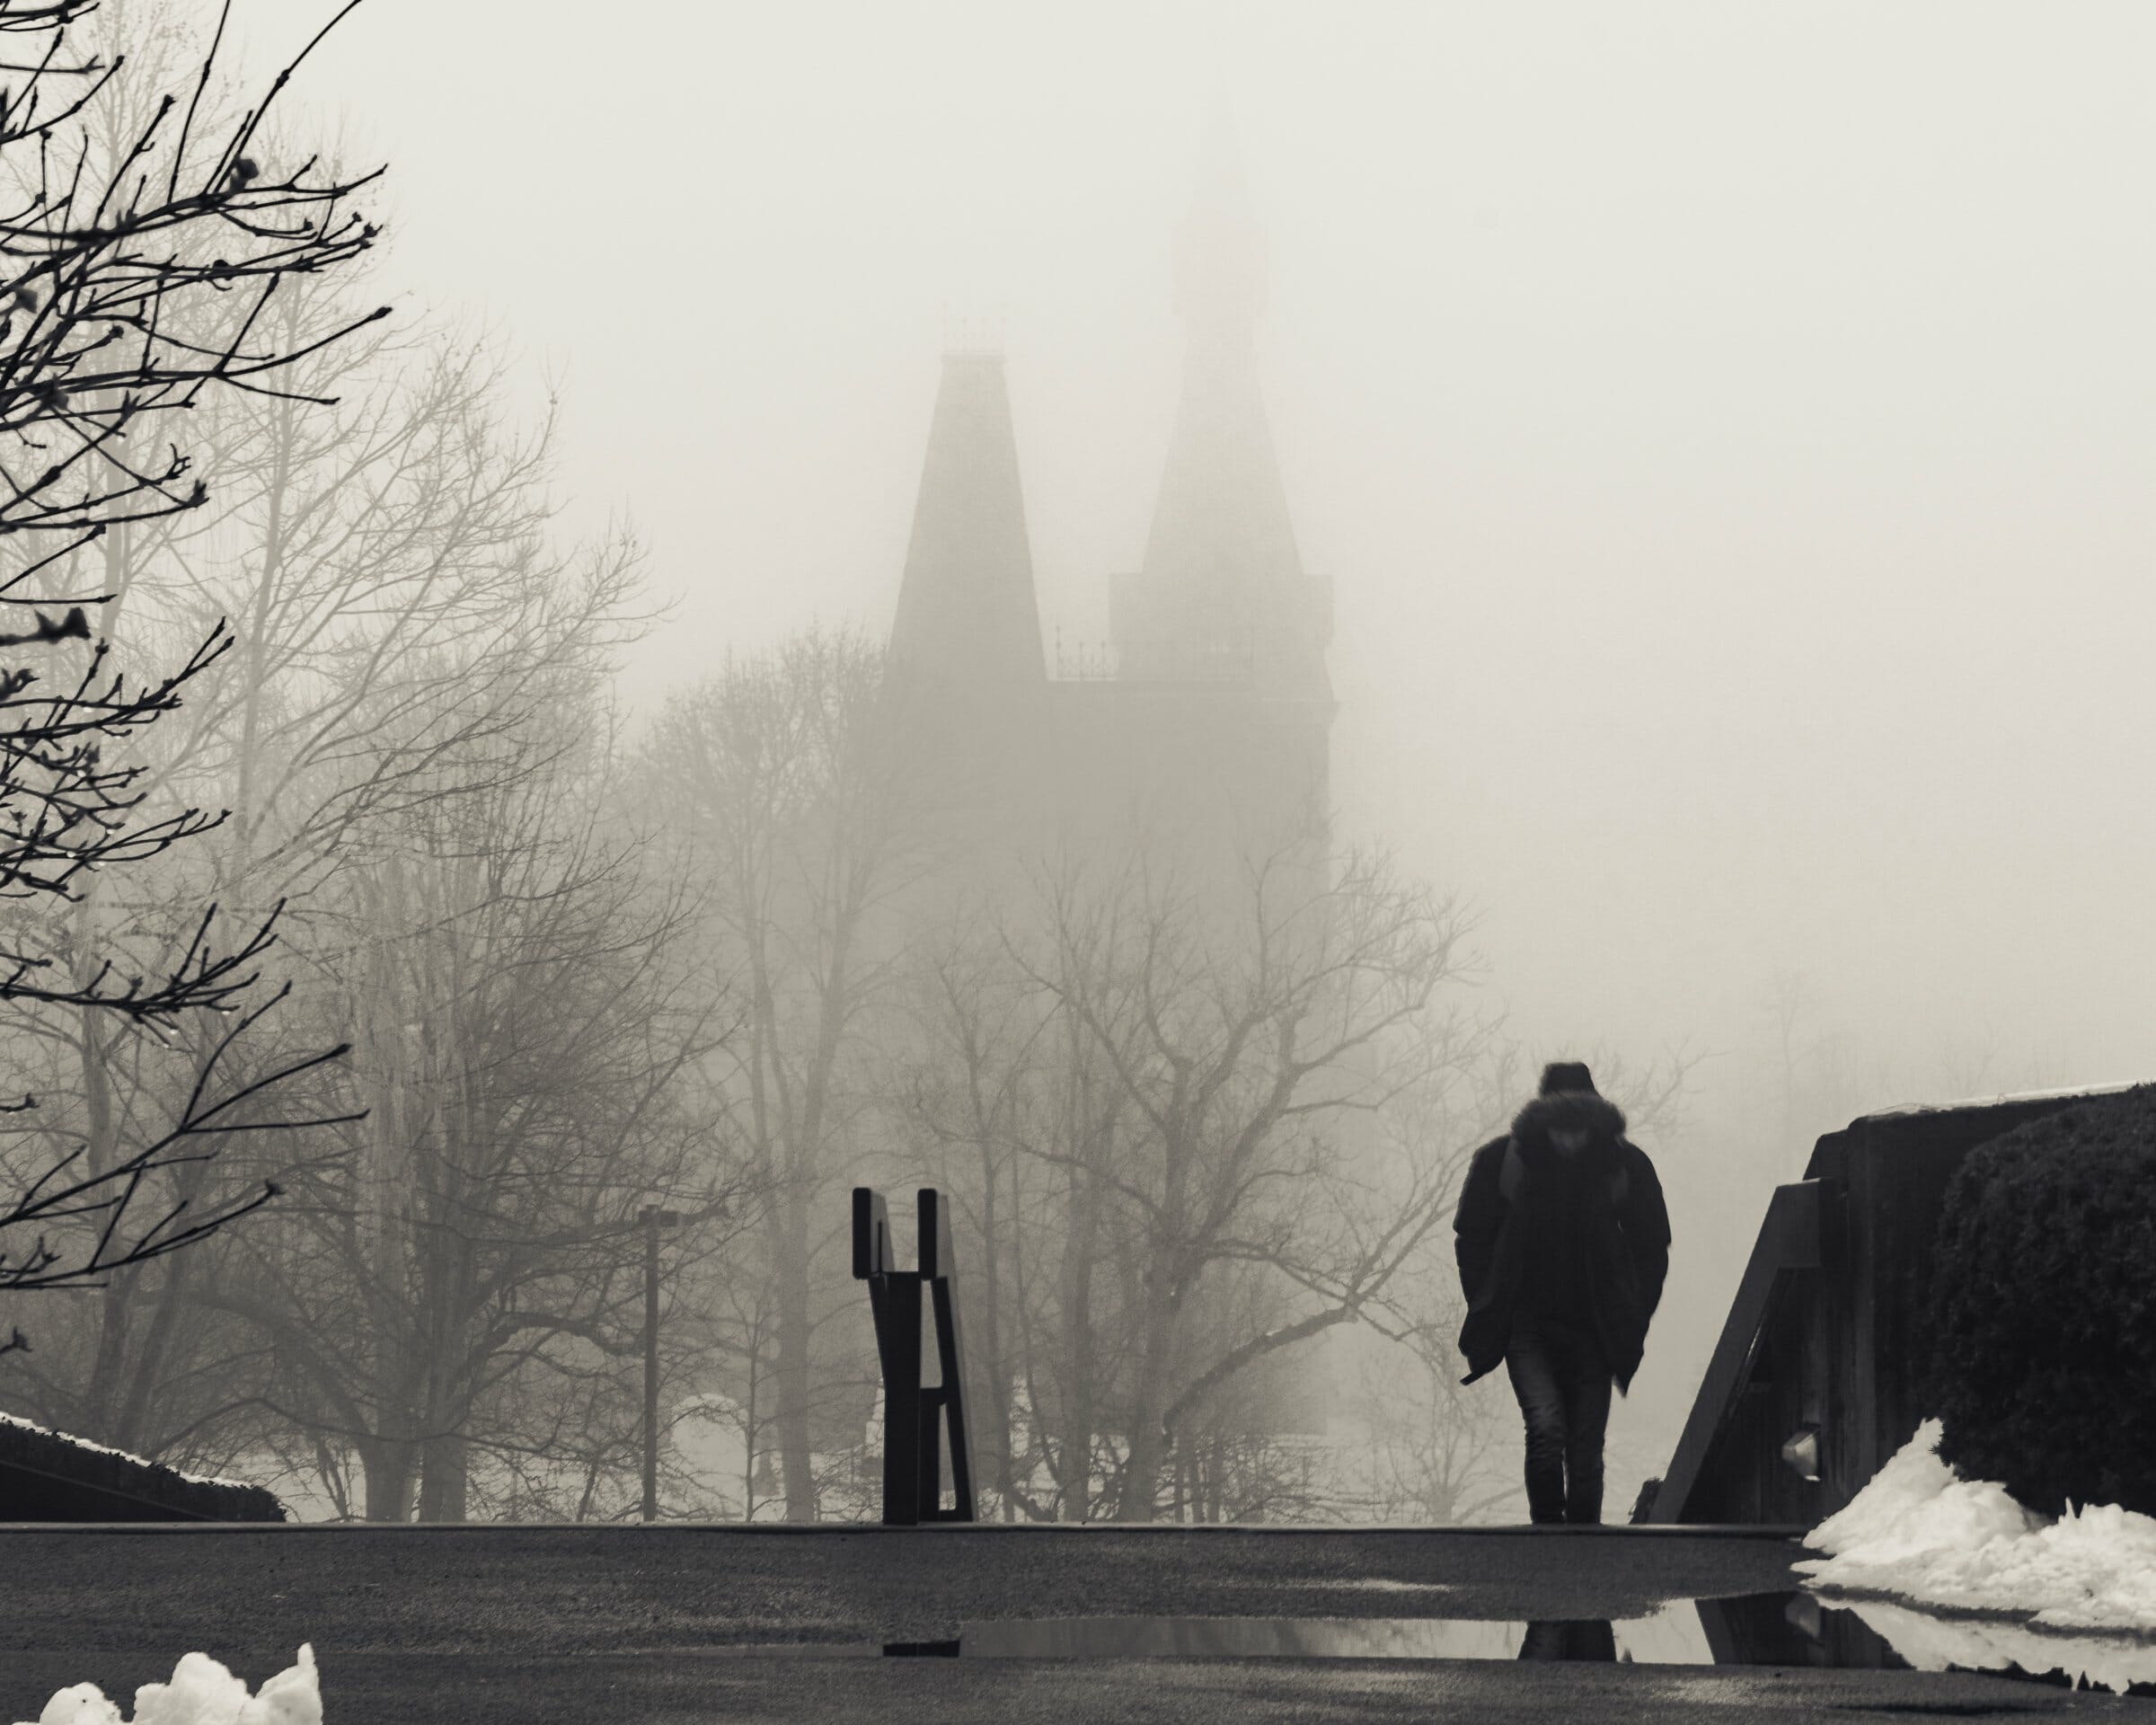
(125, 1456)
(1903, 1110)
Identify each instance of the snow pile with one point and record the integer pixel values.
(202, 1692)
(1932, 1643)
(1920, 1532)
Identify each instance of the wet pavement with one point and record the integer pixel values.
(671, 1623)
(1783, 1630)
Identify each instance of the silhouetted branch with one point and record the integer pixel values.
(69, 1192)
(102, 264)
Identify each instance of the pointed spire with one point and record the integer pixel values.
(1223, 588)
(1220, 250)
(969, 621)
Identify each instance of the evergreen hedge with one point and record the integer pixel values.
(2041, 1314)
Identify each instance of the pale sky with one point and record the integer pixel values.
(1730, 429)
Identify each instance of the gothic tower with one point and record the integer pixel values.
(966, 650)
(1223, 588)
(969, 623)
(1211, 738)
(1222, 597)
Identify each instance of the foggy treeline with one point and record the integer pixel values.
(540, 963)
(524, 969)
(403, 718)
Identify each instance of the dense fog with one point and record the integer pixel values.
(1726, 431)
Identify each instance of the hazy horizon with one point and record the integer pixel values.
(1727, 433)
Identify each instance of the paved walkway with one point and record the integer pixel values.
(593, 1625)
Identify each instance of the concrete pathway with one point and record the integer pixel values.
(592, 1625)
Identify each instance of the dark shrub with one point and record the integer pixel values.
(2041, 1314)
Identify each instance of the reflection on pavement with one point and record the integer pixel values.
(1785, 1629)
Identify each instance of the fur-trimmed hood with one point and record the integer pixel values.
(1569, 1109)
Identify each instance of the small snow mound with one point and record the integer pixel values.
(1919, 1531)
(81, 1703)
(202, 1692)
(1915, 1508)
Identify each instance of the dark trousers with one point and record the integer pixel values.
(1562, 1381)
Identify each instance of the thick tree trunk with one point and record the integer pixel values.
(991, 1370)
(101, 1391)
(445, 1479)
(445, 1411)
(391, 1469)
(1163, 1281)
(1138, 1500)
(795, 1385)
(131, 1427)
(1074, 1449)
(103, 1394)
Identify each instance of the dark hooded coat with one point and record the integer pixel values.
(1595, 1219)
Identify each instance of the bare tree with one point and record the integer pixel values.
(463, 1285)
(801, 816)
(1429, 1449)
(380, 533)
(1205, 1145)
(107, 269)
(977, 1085)
(110, 258)
(1190, 1077)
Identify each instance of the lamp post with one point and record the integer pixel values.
(654, 1219)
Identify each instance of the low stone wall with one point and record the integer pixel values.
(49, 1476)
(1824, 1336)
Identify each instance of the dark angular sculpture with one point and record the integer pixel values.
(920, 1422)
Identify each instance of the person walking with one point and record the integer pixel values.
(1562, 1240)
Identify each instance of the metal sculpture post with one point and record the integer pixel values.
(921, 1421)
